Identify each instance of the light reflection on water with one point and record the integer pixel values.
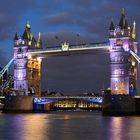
(68, 126)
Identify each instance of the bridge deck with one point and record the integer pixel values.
(71, 49)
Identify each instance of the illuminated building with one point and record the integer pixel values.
(123, 66)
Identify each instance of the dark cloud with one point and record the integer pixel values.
(7, 27)
(92, 17)
(82, 3)
(10, 13)
(58, 19)
(57, 38)
(16, 6)
(88, 17)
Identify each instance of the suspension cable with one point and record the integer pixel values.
(6, 68)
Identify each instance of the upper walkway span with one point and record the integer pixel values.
(66, 49)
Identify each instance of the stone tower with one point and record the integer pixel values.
(20, 65)
(123, 65)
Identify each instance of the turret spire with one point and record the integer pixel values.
(39, 41)
(112, 27)
(123, 21)
(134, 30)
(28, 25)
(16, 36)
(122, 10)
(134, 24)
(25, 35)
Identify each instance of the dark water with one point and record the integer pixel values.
(68, 126)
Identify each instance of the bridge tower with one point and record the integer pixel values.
(20, 65)
(123, 66)
(26, 67)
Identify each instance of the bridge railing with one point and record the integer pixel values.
(105, 44)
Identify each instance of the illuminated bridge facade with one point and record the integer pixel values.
(28, 57)
(122, 47)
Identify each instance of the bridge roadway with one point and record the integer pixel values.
(69, 50)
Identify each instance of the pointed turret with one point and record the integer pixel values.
(112, 27)
(25, 35)
(134, 34)
(28, 26)
(39, 41)
(33, 40)
(123, 21)
(28, 33)
(16, 40)
(16, 36)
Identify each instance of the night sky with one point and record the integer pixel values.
(74, 21)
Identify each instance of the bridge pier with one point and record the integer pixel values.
(21, 104)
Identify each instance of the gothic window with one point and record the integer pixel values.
(20, 50)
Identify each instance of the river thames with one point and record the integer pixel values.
(68, 126)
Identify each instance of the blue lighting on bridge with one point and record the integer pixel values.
(47, 100)
(40, 100)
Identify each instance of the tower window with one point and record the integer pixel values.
(19, 50)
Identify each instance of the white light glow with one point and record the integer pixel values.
(39, 59)
(135, 56)
(29, 56)
(126, 47)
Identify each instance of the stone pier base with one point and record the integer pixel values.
(120, 105)
(21, 104)
(17, 104)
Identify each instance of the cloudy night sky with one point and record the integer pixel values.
(74, 21)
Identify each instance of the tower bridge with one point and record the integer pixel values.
(122, 48)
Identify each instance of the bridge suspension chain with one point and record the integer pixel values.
(135, 56)
(5, 68)
(5, 84)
